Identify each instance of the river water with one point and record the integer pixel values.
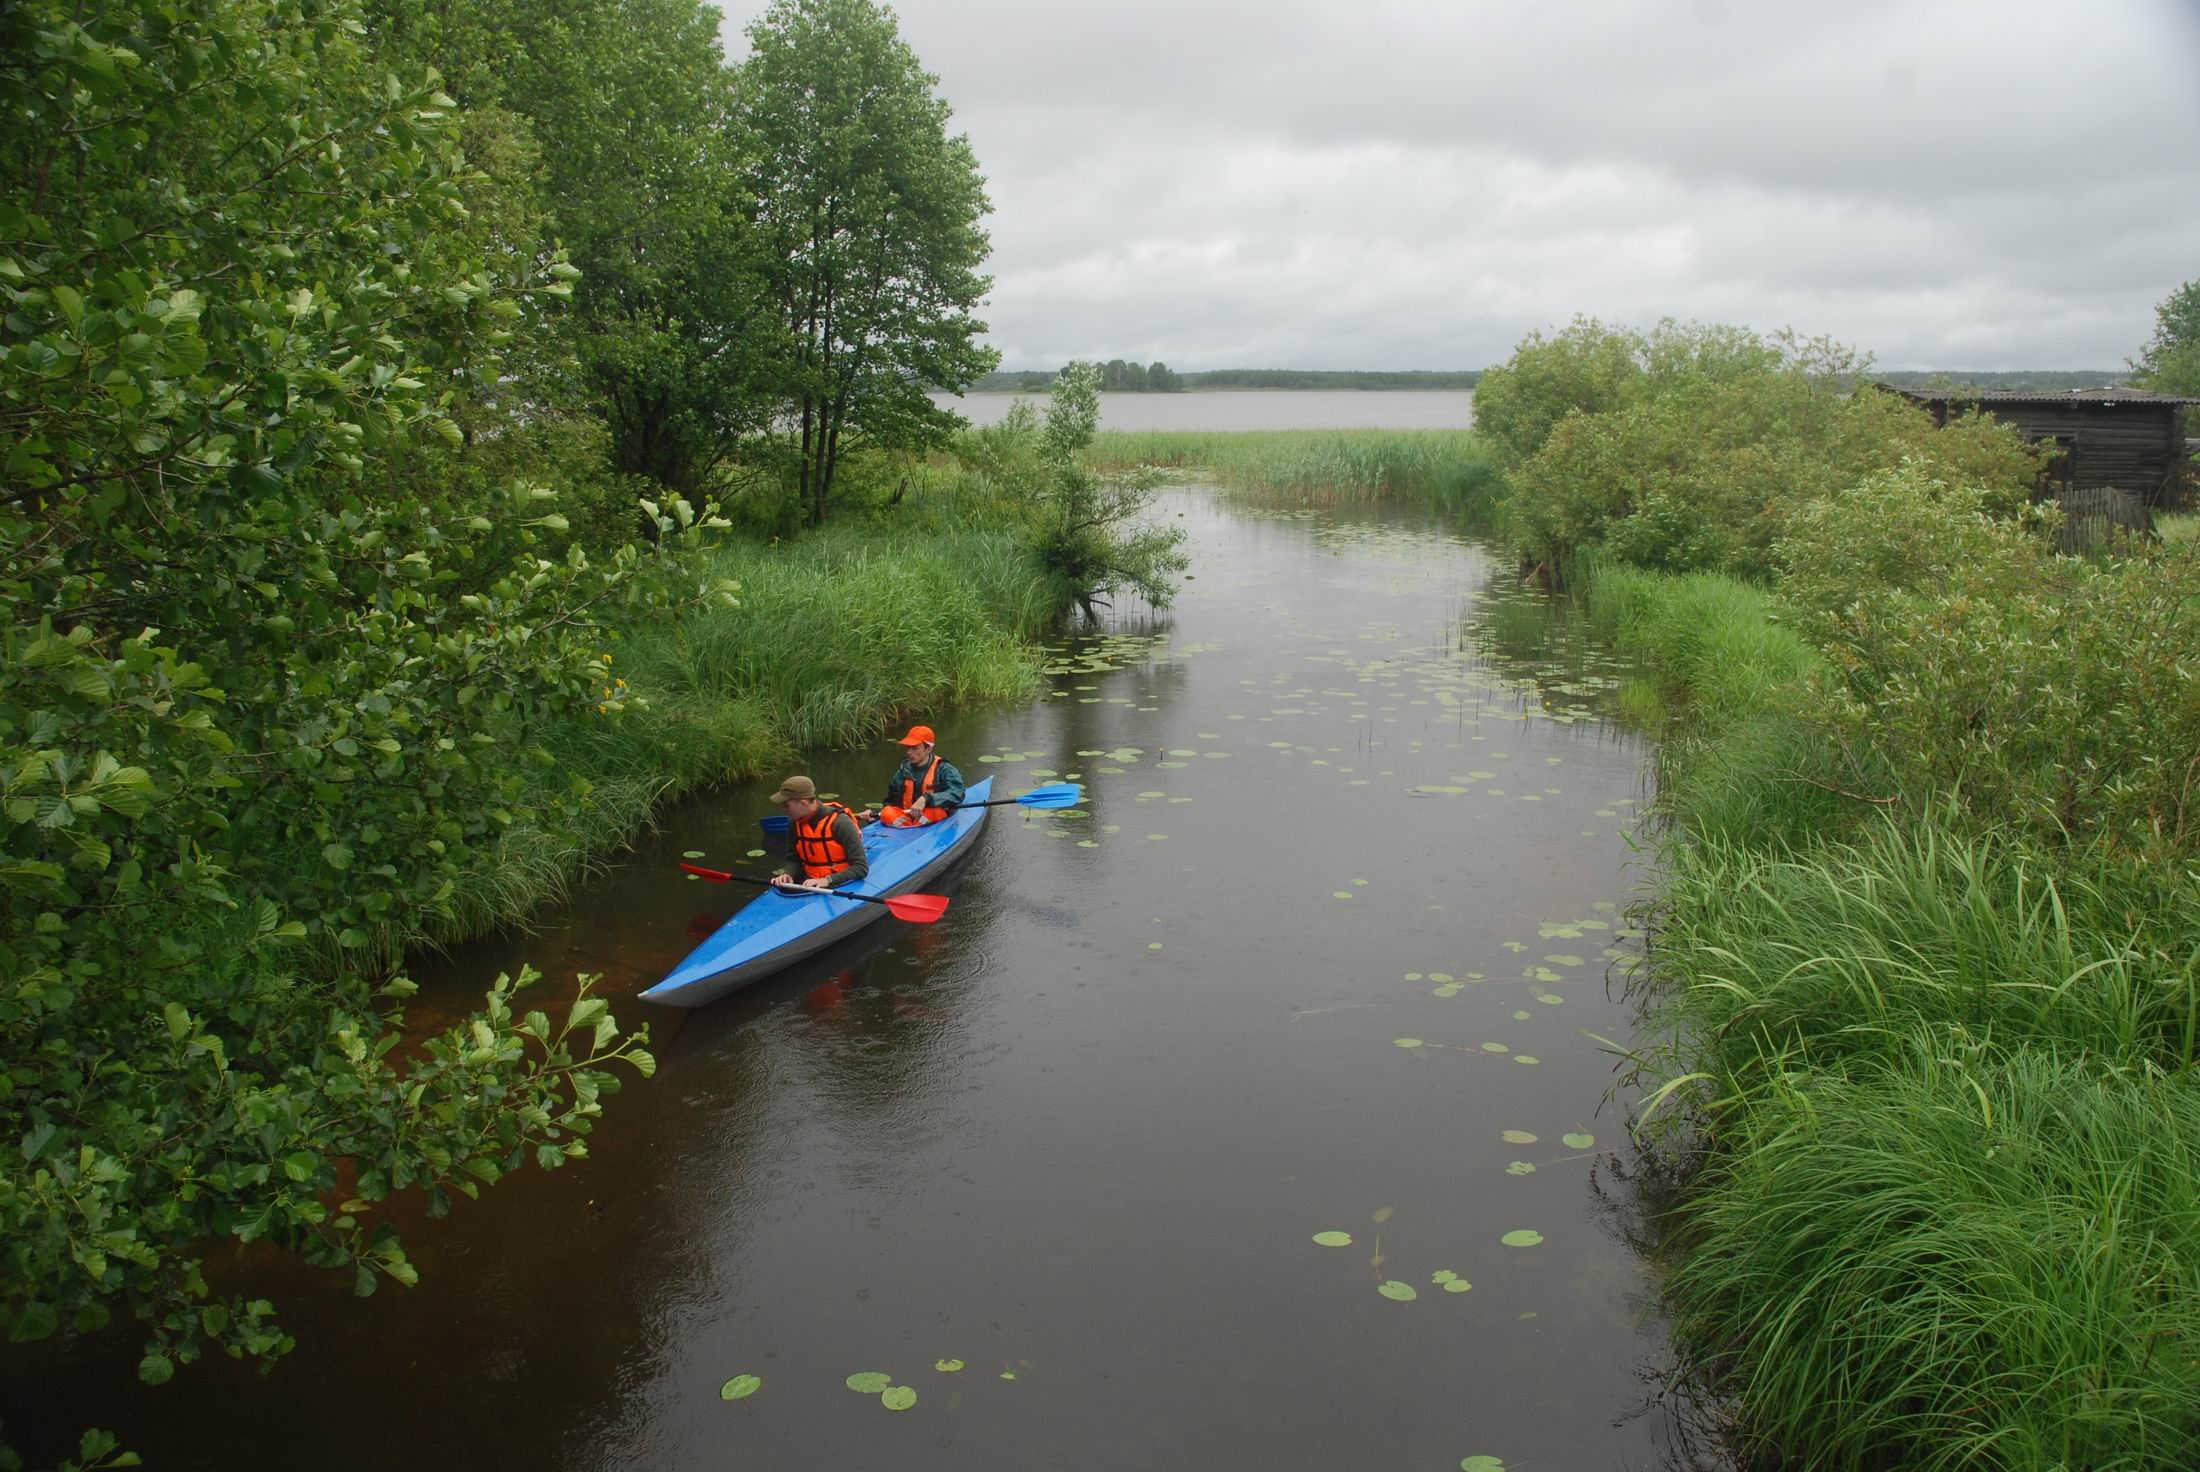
(1252, 409)
(1325, 956)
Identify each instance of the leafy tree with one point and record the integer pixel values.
(2170, 362)
(867, 237)
(260, 712)
(629, 105)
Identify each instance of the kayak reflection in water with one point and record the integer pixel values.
(824, 839)
(925, 787)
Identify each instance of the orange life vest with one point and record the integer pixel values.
(815, 849)
(909, 789)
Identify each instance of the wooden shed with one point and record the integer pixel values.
(2106, 438)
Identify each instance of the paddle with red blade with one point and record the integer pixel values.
(917, 909)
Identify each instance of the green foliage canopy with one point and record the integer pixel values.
(257, 716)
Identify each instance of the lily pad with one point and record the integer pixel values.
(1527, 1059)
(948, 1367)
(1517, 1137)
(1524, 1237)
(1442, 1275)
(740, 1387)
(1407, 1042)
(1578, 1141)
(1520, 1168)
(1399, 1292)
(869, 1382)
(693, 853)
(1382, 1214)
(1550, 999)
(1333, 1239)
(1482, 1464)
(1457, 1285)
(756, 853)
(1563, 960)
(1495, 1048)
(899, 1398)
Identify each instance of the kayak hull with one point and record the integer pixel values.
(774, 930)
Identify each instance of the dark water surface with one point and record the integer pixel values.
(1081, 1134)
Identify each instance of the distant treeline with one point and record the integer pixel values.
(1117, 376)
(2012, 380)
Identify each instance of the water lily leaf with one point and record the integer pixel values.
(869, 1382)
(1407, 1042)
(740, 1387)
(1008, 1374)
(1440, 976)
(1342, 894)
(1482, 1464)
(1333, 1239)
(1442, 1275)
(1563, 960)
(898, 1398)
(1578, 1141)
(1520, 1168)
(949, 1367)
(1398, 1292)
(1382, 1214)
(693, 853)
(1517, 1137)
(1495, 1048)
(1521, 1238)
(1528, 1059)
(1457, 1285)
(1550, 999)
(756, 853)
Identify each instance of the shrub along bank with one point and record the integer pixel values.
(1923, 984)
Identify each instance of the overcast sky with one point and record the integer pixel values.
(1415, 183)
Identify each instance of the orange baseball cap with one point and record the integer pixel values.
(919, 736)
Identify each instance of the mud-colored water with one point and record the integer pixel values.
(1323, 957)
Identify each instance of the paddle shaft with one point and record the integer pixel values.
(921, 908)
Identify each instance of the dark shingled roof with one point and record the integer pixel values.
(2038, 396)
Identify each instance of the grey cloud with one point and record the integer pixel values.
(1416, 185)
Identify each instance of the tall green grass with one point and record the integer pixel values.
(1954, 1261)
(1446, 469)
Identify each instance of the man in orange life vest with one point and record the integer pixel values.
(824, 841)
(925, 787)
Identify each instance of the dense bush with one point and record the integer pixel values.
(1704, 472)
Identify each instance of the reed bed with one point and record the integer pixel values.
(1445, 469)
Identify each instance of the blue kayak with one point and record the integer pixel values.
(776, 930)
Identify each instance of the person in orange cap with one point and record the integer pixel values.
(925, 787)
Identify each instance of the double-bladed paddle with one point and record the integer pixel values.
(918, 909)
(1053, 795)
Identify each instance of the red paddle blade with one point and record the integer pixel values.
(918, 909)
(715, 876)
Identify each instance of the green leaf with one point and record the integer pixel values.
(1399, 1292)
(1333, 1239)
(869, 1382)
(33, 1321)
(949, 1367)
(740, 1387)
(898, 1398)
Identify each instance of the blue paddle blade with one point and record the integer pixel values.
(1053, 795)
(773, 825)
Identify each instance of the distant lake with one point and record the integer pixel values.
(1254, 409)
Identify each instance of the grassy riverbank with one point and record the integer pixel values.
(1934, 1079)
(831, 639)
(1447, 469)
